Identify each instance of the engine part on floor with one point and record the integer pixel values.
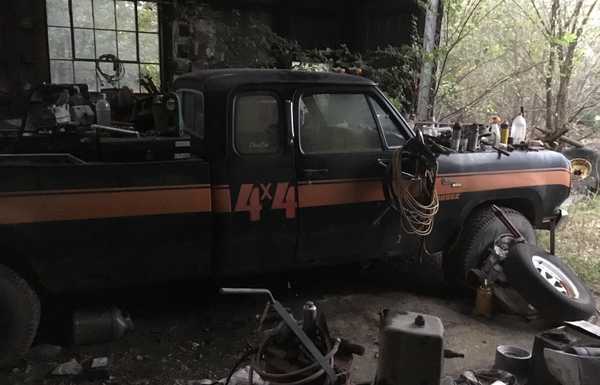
(512, 359)
(564, 338)
(100, 325)
(544, 280)
(411, 349)
(317, 359)
(572, 369)
(492, 271)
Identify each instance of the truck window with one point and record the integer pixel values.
(257, 124)
(192, 110)
(337, 123)
(389, 126)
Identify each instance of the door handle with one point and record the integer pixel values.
(315, 172)
(383, 162)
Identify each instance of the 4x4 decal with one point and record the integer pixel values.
(252, 196)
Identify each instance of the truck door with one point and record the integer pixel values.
(262, 181)
(340, 195)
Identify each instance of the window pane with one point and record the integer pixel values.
(147, 16)
(82, 13)
(258, 130)
(106, 42)
(84, 43)
(85, 72)
(59, 43)
(127, 48)
(341, 123)
(148, 47)
(132, 77)
(391, 129)
(126, 15)
(104, 14)
(153, 70)
(61, 71)
(192, 105)
(57, 13)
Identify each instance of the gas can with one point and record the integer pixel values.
(411, 349)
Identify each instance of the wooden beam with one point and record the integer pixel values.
(562, 138)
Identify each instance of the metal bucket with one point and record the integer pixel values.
(512, 359)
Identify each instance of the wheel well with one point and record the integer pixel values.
(523, 206)
(20, 265)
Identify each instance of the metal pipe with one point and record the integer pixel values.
(115, 129)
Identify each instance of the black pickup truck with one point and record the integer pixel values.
(269, 170)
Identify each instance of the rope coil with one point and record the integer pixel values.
(416, 198)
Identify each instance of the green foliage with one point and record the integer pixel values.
(245, 41)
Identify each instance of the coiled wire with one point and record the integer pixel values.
(415, 199)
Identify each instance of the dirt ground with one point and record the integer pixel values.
(188, 332)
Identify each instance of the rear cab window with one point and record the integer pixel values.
(192, 112)
(257, 123)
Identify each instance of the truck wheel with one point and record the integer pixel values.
(592, 182)
(548, 284)
(19, 316)
(480, 231)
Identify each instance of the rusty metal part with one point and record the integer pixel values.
(281, 360)
(509, 225)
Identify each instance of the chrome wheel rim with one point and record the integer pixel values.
(555, 277)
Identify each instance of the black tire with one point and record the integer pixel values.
(592, 182)
(19, 316)
(480, 231)
(524, 276)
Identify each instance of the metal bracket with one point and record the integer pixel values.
(293, 325)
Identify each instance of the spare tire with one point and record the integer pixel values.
(592, 182)
(19, 316)
(548, 284)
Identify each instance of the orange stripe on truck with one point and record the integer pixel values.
(109, 203)
(464, 183)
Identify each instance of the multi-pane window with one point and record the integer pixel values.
(80, 31)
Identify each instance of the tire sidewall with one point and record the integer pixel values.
(21, 312)
(552, 304)
(480, 232)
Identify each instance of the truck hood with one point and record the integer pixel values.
(489, 162)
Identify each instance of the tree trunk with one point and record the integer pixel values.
(550, 69)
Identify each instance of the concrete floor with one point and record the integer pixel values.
(189, 332)
(477, 338)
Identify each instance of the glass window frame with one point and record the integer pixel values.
(382, 103)
(338, 90)
(234, 128)
(72, 28)
(180, 93)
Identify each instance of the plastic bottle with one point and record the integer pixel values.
(518, 129)
(495, 130)
(504, 133)
(456, 135)
(103, 111)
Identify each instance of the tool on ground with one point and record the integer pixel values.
(280, 360)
